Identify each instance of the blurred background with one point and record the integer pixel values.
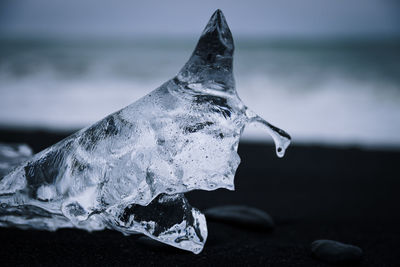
(327, 72)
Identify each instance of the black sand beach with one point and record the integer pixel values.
(345, 194)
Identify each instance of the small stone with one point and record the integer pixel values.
(335, 252)
(241, 215)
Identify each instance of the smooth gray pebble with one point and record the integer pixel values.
(246, 216)
(335, 252)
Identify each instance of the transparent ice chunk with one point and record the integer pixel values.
(129, 171)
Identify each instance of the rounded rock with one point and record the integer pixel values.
(246, 216)
(335, 252)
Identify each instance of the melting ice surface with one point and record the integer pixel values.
(129, 171)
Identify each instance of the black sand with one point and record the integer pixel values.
(348, 195)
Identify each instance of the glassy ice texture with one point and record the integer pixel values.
(129, 171)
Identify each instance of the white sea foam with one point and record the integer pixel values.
(341, 96)
(341, 111)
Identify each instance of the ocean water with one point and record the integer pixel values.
(329, 92)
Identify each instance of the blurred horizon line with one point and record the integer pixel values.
(79, 36)
(269, 40)
(245, 138)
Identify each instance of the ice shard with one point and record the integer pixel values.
(129, 171)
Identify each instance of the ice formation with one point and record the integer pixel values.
(129, 171)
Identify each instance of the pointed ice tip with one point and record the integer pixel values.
(218, 29)
(211, 61)
(216, 42)
(218, 18)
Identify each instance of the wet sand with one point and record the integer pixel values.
(345, 194)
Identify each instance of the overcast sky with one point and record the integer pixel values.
(311, 18)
